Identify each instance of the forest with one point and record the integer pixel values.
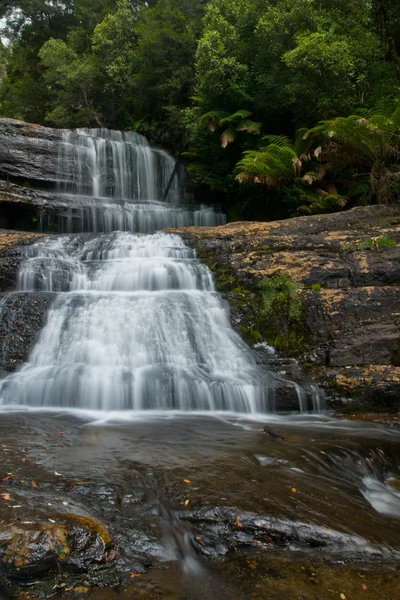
(277, 107)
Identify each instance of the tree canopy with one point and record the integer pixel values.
(226, 84)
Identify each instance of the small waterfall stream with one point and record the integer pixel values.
(136, 323)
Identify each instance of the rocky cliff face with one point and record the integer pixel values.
(341, 272)
(28, 152)
(22, 314)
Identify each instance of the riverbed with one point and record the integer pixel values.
(199, 506)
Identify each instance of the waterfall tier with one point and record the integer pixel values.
(112, 180)
(136, 324)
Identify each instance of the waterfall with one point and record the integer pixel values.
(136, 323)
(113, 180)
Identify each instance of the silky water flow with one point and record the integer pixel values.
(136, 323)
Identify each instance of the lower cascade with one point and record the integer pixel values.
(136, 324)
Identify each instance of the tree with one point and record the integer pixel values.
(72, 81)
(369, 144)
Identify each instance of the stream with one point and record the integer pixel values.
(212, 505)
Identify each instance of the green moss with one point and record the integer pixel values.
(283, 314)
(316, 287)
(271, 311)
(280, 294)
(375, 244)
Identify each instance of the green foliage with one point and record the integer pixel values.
(281, 295)
(375, 244)
(283, 313)
(73, 80)
(3, 60)
(368, 144)
(204, 78)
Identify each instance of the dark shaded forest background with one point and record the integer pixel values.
(277, 107)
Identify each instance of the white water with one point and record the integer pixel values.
(112, 180)
(136, 323)
(382, 496)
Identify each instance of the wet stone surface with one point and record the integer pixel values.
(22, 316)
(185, 507)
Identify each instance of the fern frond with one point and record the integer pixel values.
(227, 137)
(278, 140)
(212, 119)
(237, 116)
(249, 126)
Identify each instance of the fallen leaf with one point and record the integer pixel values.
(6, 496)
(81, 589)
(238, 523)
(17, 506)
(111, 555)
(52, 520)
(34, 484)
(65, 503)
(343, 597)
(187, 502)
(62, 432)
(132, 574)
(322, 452)
(57, 474)
(266, 538)
(294, 490)
(186, 481)
(364, 587)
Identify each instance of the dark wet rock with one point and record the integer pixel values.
(220, 530)
(28, 152)
(22, 316)
(12, 253)
(350, 295)
(71, 543)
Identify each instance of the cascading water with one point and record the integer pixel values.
(136, 323)
(110, 180)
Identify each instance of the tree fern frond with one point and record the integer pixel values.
(237, 116)
(212, 119)
(227, 137)
(249, 126)
(278, 140)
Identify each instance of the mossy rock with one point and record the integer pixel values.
(33, 548)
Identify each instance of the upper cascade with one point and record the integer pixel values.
(112, 180)
(93, 180)
(103, 163)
